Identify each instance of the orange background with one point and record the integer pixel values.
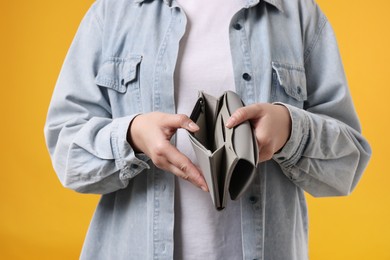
(41, 220)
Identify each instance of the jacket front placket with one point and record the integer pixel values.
(161, 184)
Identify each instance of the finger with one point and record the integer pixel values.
(197, 181)
(181, 121)
(184, 168)
(244, 113)
(164, 164)
(180, 173)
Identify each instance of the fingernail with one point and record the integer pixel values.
(204, 188)
(231, 121)
(193, 126)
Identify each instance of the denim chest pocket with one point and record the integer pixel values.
(288, 84)
(121, 78)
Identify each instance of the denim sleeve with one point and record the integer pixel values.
(88, 148)
(326, 153)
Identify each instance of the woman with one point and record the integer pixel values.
(133, 73)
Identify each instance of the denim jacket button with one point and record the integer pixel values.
(237, 26)
(134, 166)
(246, 76)
(253, 199)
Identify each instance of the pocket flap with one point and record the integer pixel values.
(116, 73)
(292, 78)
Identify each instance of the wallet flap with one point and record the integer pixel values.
(241, 141)
(206, 162)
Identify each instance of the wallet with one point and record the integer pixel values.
(227, 157)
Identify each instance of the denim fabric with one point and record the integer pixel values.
(121, 64)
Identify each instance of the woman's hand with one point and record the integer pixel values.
(151, 133)
(272, 124)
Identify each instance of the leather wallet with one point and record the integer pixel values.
(227, 157)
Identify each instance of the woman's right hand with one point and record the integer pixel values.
(151, 134)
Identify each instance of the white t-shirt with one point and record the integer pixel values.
(204, 63)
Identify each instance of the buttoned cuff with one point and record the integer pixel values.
(129, 163)
(293, 149)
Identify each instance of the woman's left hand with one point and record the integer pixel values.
(272, 124)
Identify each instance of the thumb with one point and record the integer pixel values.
(243, 114)
(182, 121)
(239, 116)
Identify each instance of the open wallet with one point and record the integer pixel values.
(227, 157)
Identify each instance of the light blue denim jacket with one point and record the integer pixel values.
(121, 63)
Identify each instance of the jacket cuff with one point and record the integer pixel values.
(293, 149)
(129, 163)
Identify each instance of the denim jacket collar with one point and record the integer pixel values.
(276, 3)
(249, 3)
